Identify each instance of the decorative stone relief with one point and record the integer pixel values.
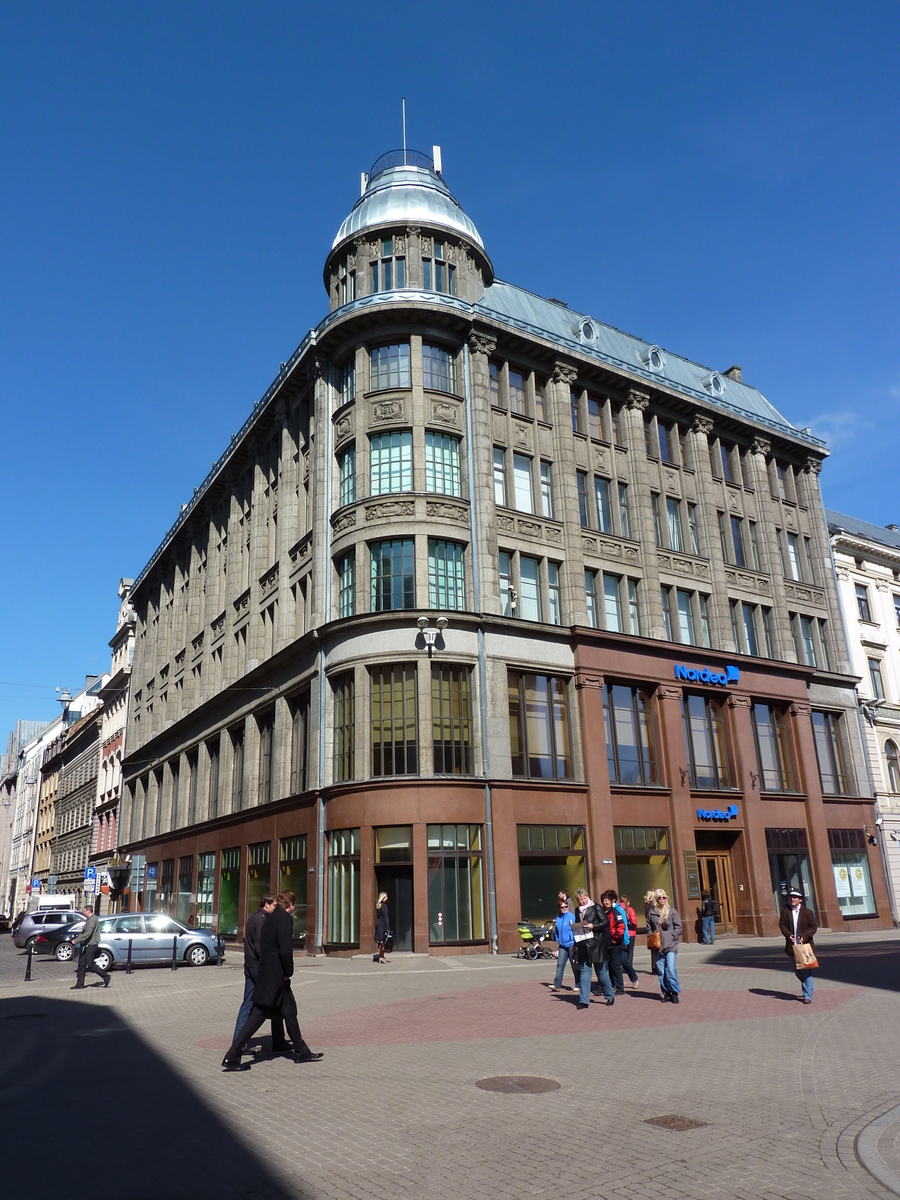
(344, 520)
(701, 424)
(442, 511)
(443, 413)
(631, 554)
(507, 524)
(387, 410)
(761, 445)
(243, 602)
(269, 582)
(734, 502)
(610, 549)
(529, 528)
(800, 709)
(389, 509)
(179, 658)
(564, 372)
(553, 533)
(481, 343)
(451, 252)
(601, 461)
(303, 549)
(790, 519)
(399, 244)
(197, 642)
(671, 482)
(522, 436)
(583, 679)
(590, 544)
(427, 246)
(217, 625)
(638, 400)
(343, 427)
(668, 692)
(739, 701)
(812, 466)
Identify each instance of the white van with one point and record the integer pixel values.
(58, 902)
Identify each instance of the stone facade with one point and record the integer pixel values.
(374, 650)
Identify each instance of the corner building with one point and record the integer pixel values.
(448, 618)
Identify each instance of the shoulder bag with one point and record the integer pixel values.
(804, 957)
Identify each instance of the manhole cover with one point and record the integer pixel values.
(674, 1122)
(519, 1085)
(24, 1016)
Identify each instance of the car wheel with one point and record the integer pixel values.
(104, 961)
(197, 956)
(32, 942)
(64, 952)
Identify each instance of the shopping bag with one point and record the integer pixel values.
(804, 956)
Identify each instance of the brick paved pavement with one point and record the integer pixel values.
(789, 1093)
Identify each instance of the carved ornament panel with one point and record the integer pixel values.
(388, 509)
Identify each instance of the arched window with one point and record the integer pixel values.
(893, 766)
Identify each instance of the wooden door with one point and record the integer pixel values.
(715, 877)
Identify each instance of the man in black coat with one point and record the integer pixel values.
(272, 996)
(592, 953)
(252, 933)
(798, 924)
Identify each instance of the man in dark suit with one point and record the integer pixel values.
(252, 932)
(272, 996)
(799, 928)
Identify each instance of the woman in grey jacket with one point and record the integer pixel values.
(662, 917)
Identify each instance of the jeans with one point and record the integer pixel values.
(709, 931)
(587, 970)
(667, 969)
(620, 960)
(806, 983)
(566, 954)
(628, 961)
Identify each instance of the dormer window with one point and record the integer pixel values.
(437, 274)
(390, 272)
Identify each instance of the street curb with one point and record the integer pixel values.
(867, 1149)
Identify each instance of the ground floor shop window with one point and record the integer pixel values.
(551, 860)
(229, 891)
(185, 883)
(343, 887)
(292, 877)
(394, 875)
(643, 862)
(455, 884)
(852, 880)
(167, 886)
(259, 873)
(206, 880)
(150, 893)
(789, 866)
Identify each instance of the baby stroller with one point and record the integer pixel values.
(533, 940)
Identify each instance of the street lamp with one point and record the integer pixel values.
(432, 638)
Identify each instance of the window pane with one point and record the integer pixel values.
(394, 740)
(590, 589)
(389, 364)
(624, 522)
(612, 606)
(499, 477)
(522, 483)
(446, 581)
(673, 511)
(516, 393)
(601, 487)
(685, 617)
(530, 597)
(390, 463)
(442, 473)
(393, 575)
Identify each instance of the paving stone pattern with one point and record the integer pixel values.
(786, 1091)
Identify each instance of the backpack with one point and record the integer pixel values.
(619, 909)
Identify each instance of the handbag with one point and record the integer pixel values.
(388, 942)
(654, 940)
(804, 957)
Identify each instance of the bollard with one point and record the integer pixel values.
(128, 963)
(175, 953)
(220, 949)
(28, 964)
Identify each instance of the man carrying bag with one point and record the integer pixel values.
(799, 928)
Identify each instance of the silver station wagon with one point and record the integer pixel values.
(152, 936)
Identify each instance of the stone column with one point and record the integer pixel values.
(601, 842)
(282, 749)
(483, 523)
(565, 483)
(681, 808)
(319, 417)
(838, 655)
(720, 613)
(816, 818)
(755, 908)
(649, 602)
(770, 551)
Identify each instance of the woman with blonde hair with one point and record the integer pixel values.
(663, 918)
(383, 936)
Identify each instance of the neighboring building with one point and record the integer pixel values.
(484, 599)
(114, 694)
(9, 773)
(867, 561)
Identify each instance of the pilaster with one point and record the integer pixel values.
(720, 614)
(770, 552)
(649, 601)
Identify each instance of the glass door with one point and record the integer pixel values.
(791, 870)
(715, 878)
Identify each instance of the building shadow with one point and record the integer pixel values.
(119, 1119)
(874, 964)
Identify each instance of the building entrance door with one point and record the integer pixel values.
(715, 877)
(398, 883)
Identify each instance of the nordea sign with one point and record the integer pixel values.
(707, 675)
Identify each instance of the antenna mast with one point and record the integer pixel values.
(403, 102)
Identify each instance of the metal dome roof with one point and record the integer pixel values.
(413, 194)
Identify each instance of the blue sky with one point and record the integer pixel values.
(719, 178)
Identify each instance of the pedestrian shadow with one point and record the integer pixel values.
(774, 995)
(143, 1127)
(870, 964)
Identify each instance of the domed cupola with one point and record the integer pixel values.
(406, 212)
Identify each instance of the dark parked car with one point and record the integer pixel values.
(42, 920)
(58, 942)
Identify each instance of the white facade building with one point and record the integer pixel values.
(867, 561)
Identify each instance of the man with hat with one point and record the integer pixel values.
(799, 927)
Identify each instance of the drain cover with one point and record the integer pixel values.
(517, 1085)
(674, 1122)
